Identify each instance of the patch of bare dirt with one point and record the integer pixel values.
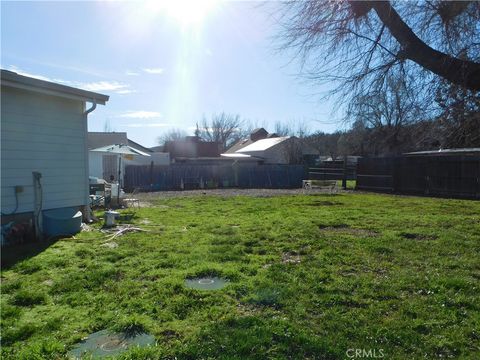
(48, 282)
(345, 229)
(414, 236)
(291, 258)
(248, 309)
(170, 334)
(110, 245)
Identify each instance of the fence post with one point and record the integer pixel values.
(396, 163)
(427, 177)
(344, 179)
(151, 175)
(235, 172)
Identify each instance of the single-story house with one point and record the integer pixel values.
(270, 148)
(43, 147)
(255, 135)
(103, 166)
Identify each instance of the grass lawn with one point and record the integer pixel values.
(310, 276)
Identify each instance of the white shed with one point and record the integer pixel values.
(44, 132)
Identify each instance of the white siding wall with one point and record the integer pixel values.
(277, 154)
(46, 134)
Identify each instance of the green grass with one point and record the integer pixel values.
(310, 277)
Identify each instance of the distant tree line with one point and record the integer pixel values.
(384, 141)
(368, 136)
(387, 126)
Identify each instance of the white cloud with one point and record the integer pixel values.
(70, 68)
(126, 91)
(107, 86)
(142, 114)
(24, 73)
(156, 71)
(103, 86)
(112, 86)
(138, 125)
(131, 73)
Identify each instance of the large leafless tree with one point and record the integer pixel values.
(171, 135)
(222, 128)
(389, 112)
(357, 46)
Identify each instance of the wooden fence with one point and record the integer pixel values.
(180, 176)
(333, 170)
(450, 176)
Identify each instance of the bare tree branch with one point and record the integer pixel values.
(458, 71)
(222, 128)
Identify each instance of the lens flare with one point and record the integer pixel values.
(187, 13)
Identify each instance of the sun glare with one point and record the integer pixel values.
(188, 50)
(187, 13)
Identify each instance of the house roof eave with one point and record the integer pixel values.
(14, 80)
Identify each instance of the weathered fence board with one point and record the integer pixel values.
(176, 177)
(452, 176)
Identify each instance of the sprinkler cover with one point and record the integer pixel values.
(103, 343)
(206, 283)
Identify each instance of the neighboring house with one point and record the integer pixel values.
(103, 165)
(158, 148)
(270, 148)
(279, 150)
(157, 157)
(43, 146)
(191, 147)
(255, 135)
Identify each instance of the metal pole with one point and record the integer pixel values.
(37, 205)
(118, 180)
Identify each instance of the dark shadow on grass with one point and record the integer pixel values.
(324, 194)
(414, 236)
(324, 203)
(334, 226)
(127, 218)
(251, 337)
(14, 254)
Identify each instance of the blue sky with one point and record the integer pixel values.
(162, 66)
